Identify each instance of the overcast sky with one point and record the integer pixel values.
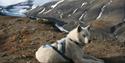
(10, 2)
(40, 2)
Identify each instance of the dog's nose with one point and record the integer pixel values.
(89, 41)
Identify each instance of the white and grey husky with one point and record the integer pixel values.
(68, 49)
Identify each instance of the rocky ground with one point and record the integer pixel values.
(21, 37)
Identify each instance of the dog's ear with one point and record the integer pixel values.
(79, 28)
(87, 27)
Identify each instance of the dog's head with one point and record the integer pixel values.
(80, 34)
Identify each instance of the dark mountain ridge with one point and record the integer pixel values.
(103, 15)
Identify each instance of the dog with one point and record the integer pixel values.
(68, 49)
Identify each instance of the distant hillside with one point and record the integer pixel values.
(107, 17)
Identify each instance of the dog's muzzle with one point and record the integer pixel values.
(89, 41)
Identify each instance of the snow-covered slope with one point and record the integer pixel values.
(19, 7)
(15, 7)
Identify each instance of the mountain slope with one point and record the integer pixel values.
(107, 17)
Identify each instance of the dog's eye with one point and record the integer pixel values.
(84, 35)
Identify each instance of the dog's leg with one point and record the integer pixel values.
(91, 61)
(79, 57)
(82, 60)
(92, 57)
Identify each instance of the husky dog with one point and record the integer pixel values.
(68, 49)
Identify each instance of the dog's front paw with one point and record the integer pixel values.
(99, 61)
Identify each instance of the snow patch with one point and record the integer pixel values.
(75, 11)
(103, 8)
(61, 28)
(83, 4)
(42, 11)
(53, 6)
(84, 14)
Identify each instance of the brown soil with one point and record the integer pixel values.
(21, 37)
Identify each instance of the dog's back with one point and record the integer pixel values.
(46, 54)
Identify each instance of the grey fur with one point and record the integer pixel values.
(72, 50)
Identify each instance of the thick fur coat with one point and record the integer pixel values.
(74, 42)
